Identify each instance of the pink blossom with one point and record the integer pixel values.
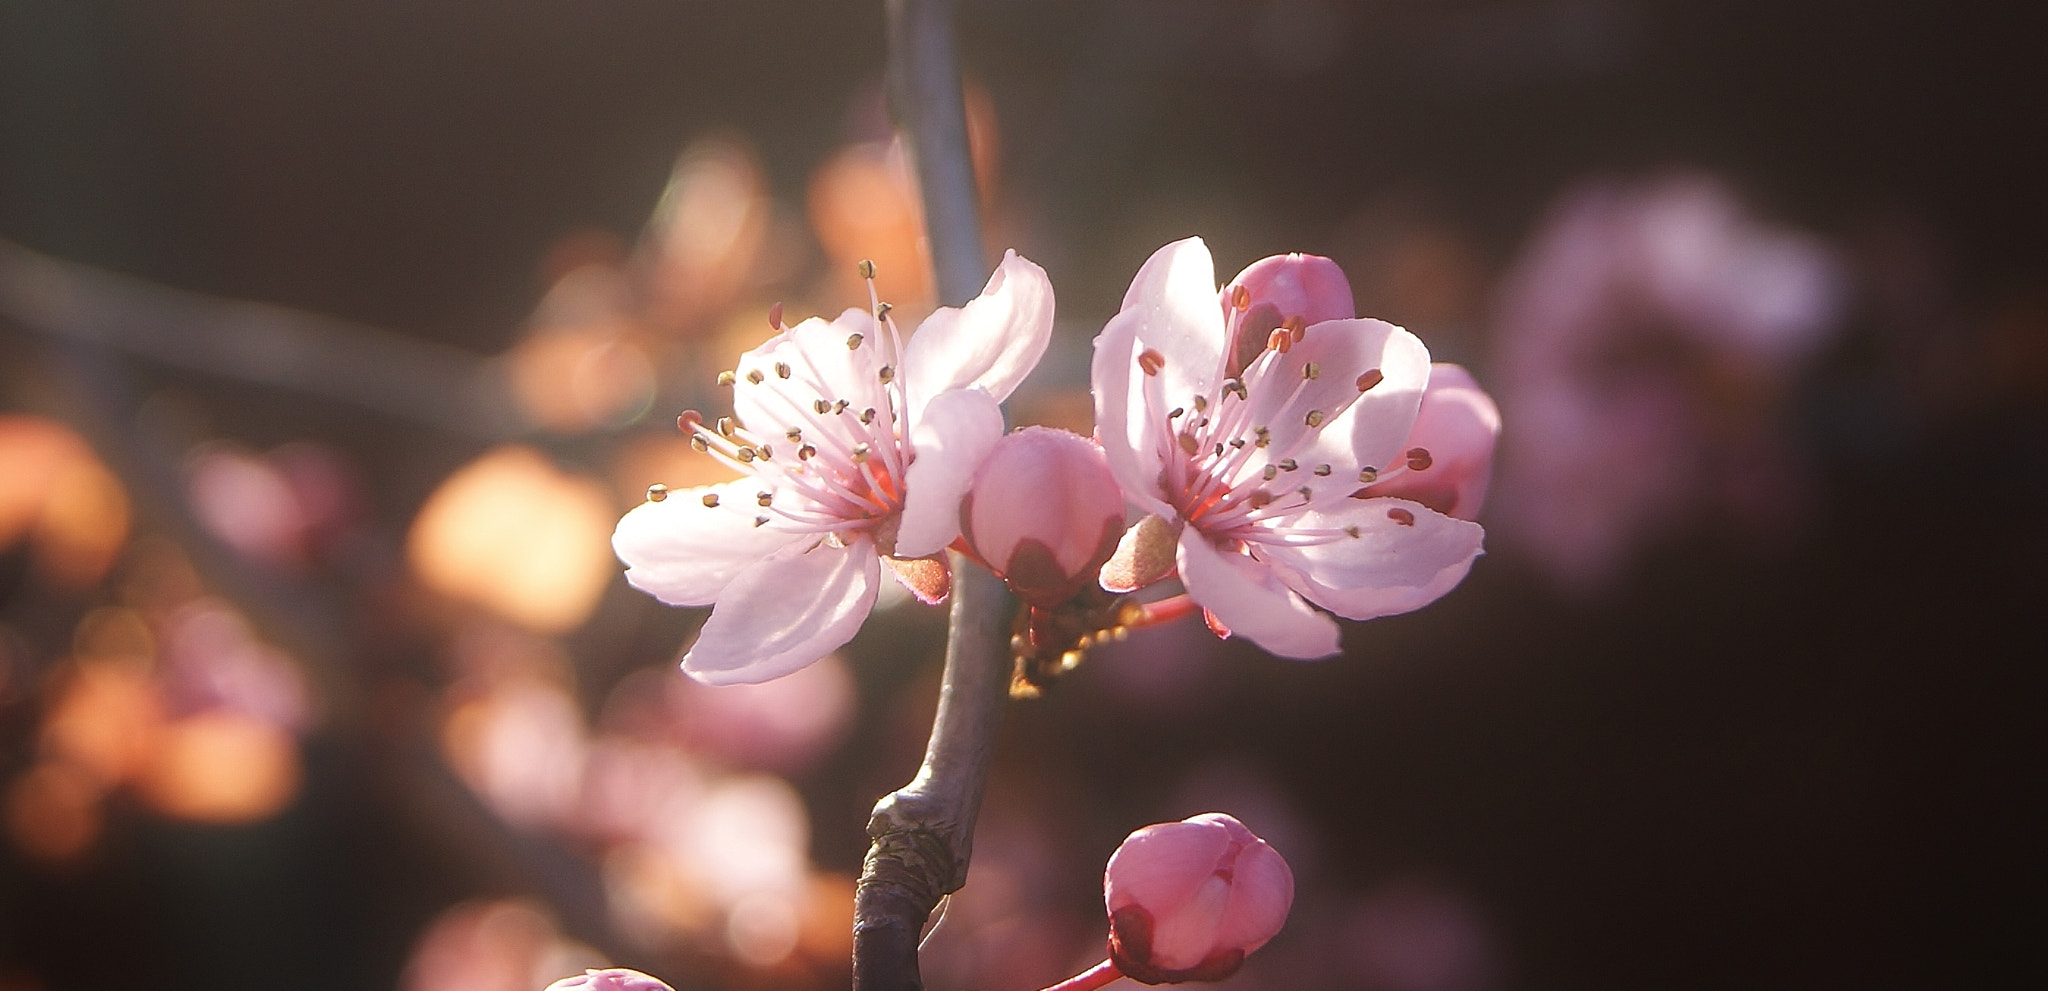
(609, 979)
(1044, 513)
(856, 449)
(1272, 461)
(1188, 900)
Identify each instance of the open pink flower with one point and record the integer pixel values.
(856, 448)
(1188, 900)
(1269, 438)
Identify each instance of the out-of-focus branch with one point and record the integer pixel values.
(923, 833)
(262, 344)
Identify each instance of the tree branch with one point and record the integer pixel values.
(923, 833)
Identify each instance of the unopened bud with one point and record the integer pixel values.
(1188, 900)
(1044, 512)
(610, 979)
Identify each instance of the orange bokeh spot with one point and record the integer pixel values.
(58, 495)
(513, 534)
(222, 767)
(105, 718)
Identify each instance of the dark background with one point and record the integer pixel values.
(1819, 767)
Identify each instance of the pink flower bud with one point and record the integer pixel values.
(1188, 900)
(1457, 424)
(1044, 513)
(609, 979)
(1283, 290)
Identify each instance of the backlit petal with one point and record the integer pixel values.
(786, 611)
(954, 433)
(685, 553)
(990, 344)
(1249, 598)
(1404, 557)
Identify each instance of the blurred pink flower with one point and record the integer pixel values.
(1044, 513)
(856, 448)
(1644, 342)
(609, 979)
(1259, 443)
(1188, 900)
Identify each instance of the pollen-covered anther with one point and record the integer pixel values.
(1289, 464)
(1177, 413)
(1264, 435)
(767, 452)
(725, 427)
(882, 310)
(1307, 494)
(867, 416)
(1201, 404)
(1189, 445)
(727, 378)
(823, 406)
(1322, 471)
(699, 444)
(1237, 386)
(1279, 340)
(764, 499)
(1401, 516)
(1237, 443)
(1369, 378)
(657, 492)
(754, 375)
(1272, 472)
(710, 500)
(860, 454)
(793, 435)
(806, 453)
(853, 342)
(782, 369)
(840, 406)
(887, 374)
(1419, 459)
(1259, 499)
(1368, 475)
(1314, 418)
(1150, 361)
(760, 521)
(1351, 531)
(1240, 298)
(866, 268)
(1311, 370)
(746, 455)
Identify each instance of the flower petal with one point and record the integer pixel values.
(1458, 425)
(956, 430)
(1250, 599)
(1404, 557)
(685, 553)
(1162, 865)
(1173, 301)
(787, 610)
(819, 365)
(990, 344)
(1374, 429)
(1129, 438)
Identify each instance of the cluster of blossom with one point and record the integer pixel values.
(1281, 454)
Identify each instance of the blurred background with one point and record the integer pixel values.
(336, 335)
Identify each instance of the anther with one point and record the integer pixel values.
(882, 311)
(1368, 475)
(764, 498)
(823, 406)
(1419, 459)
(853, 342)
(1241, 298)
(657, 492)
(1219, 450)
(767, 452)
(860, 454)
(888, 373)
(782, 369)
(1370, 378)
(1306, 492)
(866, 268)
(840, 406)
(1401, 516)
(755, 376)
(775, 315)
(1189, 445)
(867, 416)
(1289, 465)
(1351, 531)
(806, 453)
(760, 521)
(1237, 443)
(1151, 361)
(1279, 340)
(1260, 499)
(726, 378)
(1311, 370)
(710, 500)
(1322, 471)
(793, 434)
(1177, 413)
(1201, 404)
(746, 455)
(1237, 386)
(725, 427)
(1270, 473)
(1314, 418)
(698, 443)
(1264, 435)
